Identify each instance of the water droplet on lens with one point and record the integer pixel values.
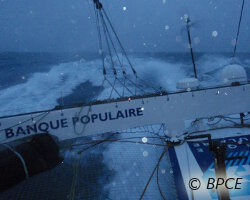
(145, 153)
(144, 140)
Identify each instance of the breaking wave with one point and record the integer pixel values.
(43, 89)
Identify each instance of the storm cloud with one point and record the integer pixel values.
(143, 25)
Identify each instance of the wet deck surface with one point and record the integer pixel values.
(111, 170)
(53, 184)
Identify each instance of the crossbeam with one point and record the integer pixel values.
(169, 109)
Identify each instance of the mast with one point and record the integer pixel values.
(238, 32)
(190, 45)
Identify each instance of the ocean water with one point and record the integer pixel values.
(39, 81)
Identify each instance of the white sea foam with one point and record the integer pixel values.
(42, 90)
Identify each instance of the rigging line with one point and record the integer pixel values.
(238, 32)
(162, 126)
(152, 132)
(133, 132)
(120, 64)
(144, 129)
(107, 42)
(34, 123)
(76, 172)
(20, 158)
(217, 128)
(95, 144)
(157, 177)
(100, 40)
(78, 114)
(124, 86)
(123, 90)
(113, 87)
(110, 24)
(182, 140)
(135, 84)
(159, 187)
(147, 129)
(113, 140)
(152, 128)
(74, 180)
(236, 118)
(150, 178)
(158, 132)
(90, 9)
(135, 142)
(155, 89)
(124, 52)
(228, 120)
(113, 45)
(211, 124)
(30, 119)
(83, 106)
(84, 126)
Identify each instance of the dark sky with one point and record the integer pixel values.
(143, 25)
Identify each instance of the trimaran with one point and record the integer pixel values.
(191, 103)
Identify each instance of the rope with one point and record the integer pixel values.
(152, 174)
(43, 115)
(158, 184)
(155, 89)
(113, 88)
(157, 175)
(76, 171)
(125, 140)
(107, 42)
(136, 84)
(100, 40)
(74, 180)
(238, 32)
(124, 86)
(181, 141)
(30, 119)
(124, 52)
(84, 126)
(108, 38)
(20, 158)
(106, 24)
(112, 43)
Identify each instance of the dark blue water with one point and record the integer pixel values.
(37, 81)
(16, 68)
(25, 86)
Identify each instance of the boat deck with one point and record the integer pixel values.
(106, 171)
